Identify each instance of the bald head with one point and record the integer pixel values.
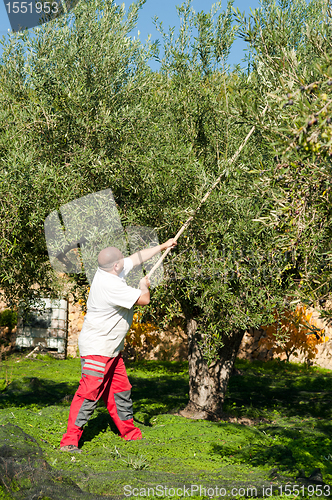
(108, 257)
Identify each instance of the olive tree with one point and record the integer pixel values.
(83, 112)
(224, 277)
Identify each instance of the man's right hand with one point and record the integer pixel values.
(144, 299)
(144, 283)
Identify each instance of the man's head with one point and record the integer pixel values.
(110, 259)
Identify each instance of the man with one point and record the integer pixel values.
(107, 321)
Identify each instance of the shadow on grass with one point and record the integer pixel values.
(163, 390)
(159, 384)
(161, 367)
(158, 395)
(37, 391)
(162, 387)
(97, 425)
(291, 390)
(285, 449)
(277, 391)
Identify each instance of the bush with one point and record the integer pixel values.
(8, 318)
(294, 332)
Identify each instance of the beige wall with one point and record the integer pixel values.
(75, 323)
(173, 344)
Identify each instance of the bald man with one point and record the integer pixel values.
(106, 323)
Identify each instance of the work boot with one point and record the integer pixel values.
(71, 448)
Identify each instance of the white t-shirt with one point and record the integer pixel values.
(109, 313)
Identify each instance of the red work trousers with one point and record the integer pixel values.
(107, 378)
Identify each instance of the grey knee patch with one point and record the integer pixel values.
(124, 405)
(85, 412)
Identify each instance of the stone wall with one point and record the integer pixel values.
(75, 323)
(173, 344)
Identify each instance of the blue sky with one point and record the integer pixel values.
(166, 12)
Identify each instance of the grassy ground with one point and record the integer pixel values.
(287, 405)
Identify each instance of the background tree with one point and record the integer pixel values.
(67, 104)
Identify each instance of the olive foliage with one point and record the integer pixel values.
(291, 54)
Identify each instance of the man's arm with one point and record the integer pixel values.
(144, 298)
(146, 254)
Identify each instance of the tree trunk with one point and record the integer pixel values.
(208, 384)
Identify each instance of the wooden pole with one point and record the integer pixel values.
(188, 221)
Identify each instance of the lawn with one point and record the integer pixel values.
(287, 407)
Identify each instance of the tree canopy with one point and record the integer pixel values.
(83, 112)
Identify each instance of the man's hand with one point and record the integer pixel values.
(144, 283)
(171, 243)
(144, 299)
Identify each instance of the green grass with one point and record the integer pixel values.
(290, 403)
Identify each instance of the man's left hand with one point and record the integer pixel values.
(171, 243)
